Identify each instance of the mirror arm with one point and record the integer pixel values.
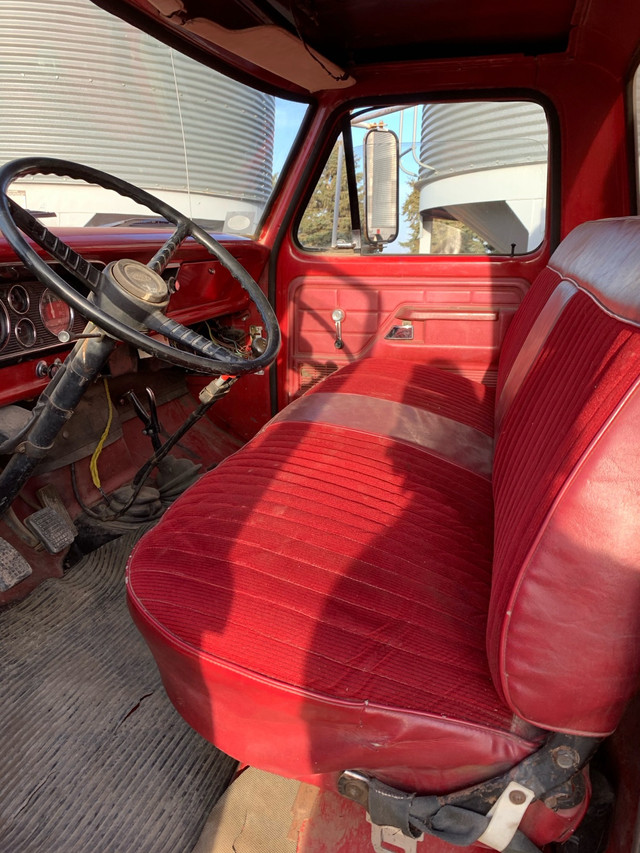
(352, 181)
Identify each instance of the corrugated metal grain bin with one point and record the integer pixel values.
(486, 165)
(80, 84)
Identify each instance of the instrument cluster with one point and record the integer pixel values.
(32, 317)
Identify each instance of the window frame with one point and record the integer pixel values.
(552, 218)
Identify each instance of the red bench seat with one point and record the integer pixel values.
(398, 575)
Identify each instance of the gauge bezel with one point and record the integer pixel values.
(25, 323)
(4, 315)
(45, 322)
(23, 295)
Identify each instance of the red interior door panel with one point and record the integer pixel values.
(452, 313)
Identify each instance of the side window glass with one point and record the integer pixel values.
(326, 222)
(473, 180)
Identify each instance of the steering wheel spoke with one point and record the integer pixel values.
(159, 261)
(187, 337)
(47, 240)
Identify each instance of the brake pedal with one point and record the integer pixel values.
(13, 566)
(54, 531)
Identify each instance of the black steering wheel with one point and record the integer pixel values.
(128, 297)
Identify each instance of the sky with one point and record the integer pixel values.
(289, 117)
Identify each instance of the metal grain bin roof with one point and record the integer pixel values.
(80, 84)
(472, 137)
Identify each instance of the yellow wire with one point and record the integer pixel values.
(93, 465)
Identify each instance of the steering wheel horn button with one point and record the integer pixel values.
(139, 281)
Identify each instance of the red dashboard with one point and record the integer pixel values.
(31, 317)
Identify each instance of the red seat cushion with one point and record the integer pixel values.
(320, 602)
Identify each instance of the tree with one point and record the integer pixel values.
(316, 225)
(452, 237)
(411, 213)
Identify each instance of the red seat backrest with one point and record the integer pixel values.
(563, 636)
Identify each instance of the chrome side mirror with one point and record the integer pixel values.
(381, 169)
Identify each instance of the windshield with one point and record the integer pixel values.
(85, 86)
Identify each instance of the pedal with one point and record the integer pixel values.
(48, 496)
(51, 529)
(13, 566)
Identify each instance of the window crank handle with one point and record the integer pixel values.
(337, 317)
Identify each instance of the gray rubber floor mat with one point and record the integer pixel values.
(94, 757)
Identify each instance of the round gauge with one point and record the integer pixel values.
(5, 328)
(56, 315)
(19, 299)
(25, 332)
